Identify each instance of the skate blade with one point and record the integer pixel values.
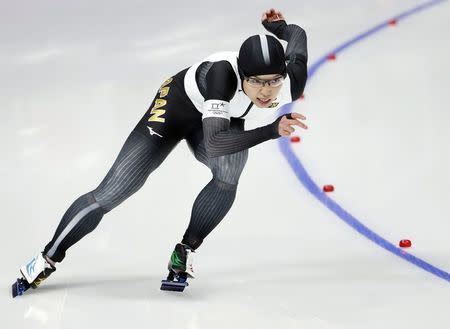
(19, 287)
(173, 285)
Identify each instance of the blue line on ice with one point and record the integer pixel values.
(314, 189)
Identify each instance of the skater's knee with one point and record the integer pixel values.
(106, 200)
(228, 168)
(116, 189)
(93, 199)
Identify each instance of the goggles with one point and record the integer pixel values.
(259, 83)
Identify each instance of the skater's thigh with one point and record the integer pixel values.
(196, 142)
(226, 168)
(138, 157)
(196, 145)
(162, 126)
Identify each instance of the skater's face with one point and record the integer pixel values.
(263, 89)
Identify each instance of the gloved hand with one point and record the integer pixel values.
(283, 125)
(274, 22)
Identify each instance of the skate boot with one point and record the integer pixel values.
(180, 268)
(34, 272)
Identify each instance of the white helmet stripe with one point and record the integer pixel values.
(265, 48)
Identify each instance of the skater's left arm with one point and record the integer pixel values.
(296, 51)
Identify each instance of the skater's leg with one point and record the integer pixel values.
(217, 197)
(156, 134)
(137, 159)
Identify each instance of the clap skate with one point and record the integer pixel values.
(33, 273)
(180, 269)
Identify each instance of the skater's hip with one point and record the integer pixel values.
(171, 114)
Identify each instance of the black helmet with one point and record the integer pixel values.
(261, 54)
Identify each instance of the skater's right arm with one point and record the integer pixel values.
(219, 139)
(296, 51)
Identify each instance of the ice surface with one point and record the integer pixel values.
(75, 79)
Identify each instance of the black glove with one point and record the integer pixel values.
(277, 27)
(274, 125)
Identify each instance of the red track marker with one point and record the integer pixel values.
(295, 139)
(393, 22)
(328, 188)
(331, 57)
(405, 243)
